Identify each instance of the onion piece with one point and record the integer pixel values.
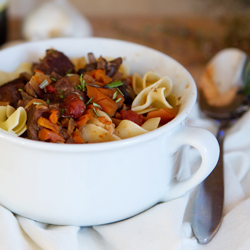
(71, 126)
(36, 102)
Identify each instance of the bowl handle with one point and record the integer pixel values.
(207, 145)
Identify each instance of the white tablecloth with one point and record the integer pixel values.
(164, 226)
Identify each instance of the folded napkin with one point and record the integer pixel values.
(164, 226)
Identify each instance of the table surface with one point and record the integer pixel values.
(190, 40)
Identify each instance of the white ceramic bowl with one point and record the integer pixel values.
(101, 183)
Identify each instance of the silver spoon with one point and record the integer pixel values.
(229, 71)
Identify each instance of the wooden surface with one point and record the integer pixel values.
(191, 41)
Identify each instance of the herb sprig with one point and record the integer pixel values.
(114, 84)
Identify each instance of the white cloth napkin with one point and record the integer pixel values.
(164, 226)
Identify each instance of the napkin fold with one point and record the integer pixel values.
(164, 226)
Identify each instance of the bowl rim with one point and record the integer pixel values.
(93, 147)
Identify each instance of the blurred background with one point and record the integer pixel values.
(190, 31)
(139, 7)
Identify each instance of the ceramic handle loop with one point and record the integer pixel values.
(207, 145)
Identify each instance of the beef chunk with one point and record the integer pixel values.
(26, 98)
(111, 67)
(33, 114)
(128, 92)
(25, 76)
(89, 67)
(29, 90)
(64, 89)
(10, 92)
(54, 61)
(22, 103)
(55, 76)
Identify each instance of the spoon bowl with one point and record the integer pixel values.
(236, 109)
(225, 85)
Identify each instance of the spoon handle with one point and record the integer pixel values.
(208, 204)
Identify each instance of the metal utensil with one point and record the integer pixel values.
(229, 68)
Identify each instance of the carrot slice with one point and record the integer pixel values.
(81, 121)
(54, 114)
(107, 104)
(90, 110)
(47, 124)
(37, 70)
(77, 137)
(48, 135)
(166, 115)
(119, 99)
(100, 76)
(95, 93)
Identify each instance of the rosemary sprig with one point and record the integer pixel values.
(96, 105)
(118, 100)
(82, 81)
(114, 95)
(120, 92)
(95, 112)
(114, 84)
(53, 79)
(89, 101)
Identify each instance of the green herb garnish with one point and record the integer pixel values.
(96, 105)
(118, 99)
(114, 95)
(120, 92)
(82, 86)
(89, 101)
(95, 112)
(44, 84)
(68, 71)
(93, 85)
(53, 79)
(114, 84)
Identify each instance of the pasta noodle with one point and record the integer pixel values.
(93, 133)
(137, 83)
(79, 62)
(127, 129)
(154, 92)
(151, 124)
(96, 131)
(13, 121)
(9, 76)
